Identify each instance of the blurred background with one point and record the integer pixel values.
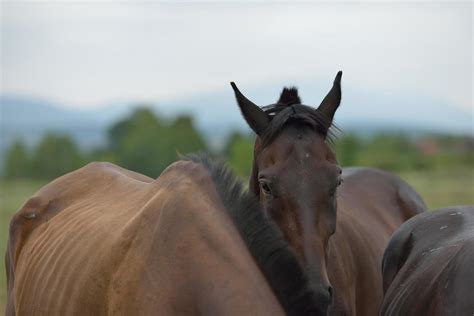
(135, 83)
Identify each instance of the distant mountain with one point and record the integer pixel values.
(28, 119)
(216, 114)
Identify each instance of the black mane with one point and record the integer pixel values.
(283, 114)
(264, 240)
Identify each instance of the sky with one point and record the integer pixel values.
(89, 54)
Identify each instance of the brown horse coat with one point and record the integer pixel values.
(428, 267)
(105, 240)
(371, 205)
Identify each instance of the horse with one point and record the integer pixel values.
(338, 221)
(103, 240)
(428, 265)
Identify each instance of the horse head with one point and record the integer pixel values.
(295, 174)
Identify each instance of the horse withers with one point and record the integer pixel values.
(338, 221)
(103, 240)
(428, 266)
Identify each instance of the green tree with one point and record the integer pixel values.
(17, 161)
(239, 153)
(56, 155)
(389, 152)
(185, 135)
(102, 154)
(347, 150)
(147, 144)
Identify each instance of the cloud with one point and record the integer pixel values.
(93, 53)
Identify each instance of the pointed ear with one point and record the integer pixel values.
(332, 100)
(256, 118)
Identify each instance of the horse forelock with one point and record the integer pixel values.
(282, 115)
(289, 96)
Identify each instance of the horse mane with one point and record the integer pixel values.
(289, 111)
(272, 253)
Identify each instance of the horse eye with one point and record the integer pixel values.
(265, 186)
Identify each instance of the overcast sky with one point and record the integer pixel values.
(91, 54)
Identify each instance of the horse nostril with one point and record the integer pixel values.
(330, 293)
(325, 295)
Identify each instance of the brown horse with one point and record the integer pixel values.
(338, 238)
(428, 266)
(103, 240)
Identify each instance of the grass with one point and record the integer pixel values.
(439, 188)
(444, 187)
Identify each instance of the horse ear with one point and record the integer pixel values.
(256, 118)
(332, 100)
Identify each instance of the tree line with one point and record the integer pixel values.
(146, 143)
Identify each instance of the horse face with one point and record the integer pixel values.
(297, 180)
(295, 174)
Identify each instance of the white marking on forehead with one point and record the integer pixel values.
(306, 155)
(443, 227)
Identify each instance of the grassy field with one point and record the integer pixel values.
(438, 189)
(442, 188)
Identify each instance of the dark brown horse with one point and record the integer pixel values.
(428, 266)
(337, 221)
(103, 240)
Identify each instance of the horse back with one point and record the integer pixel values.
(380, 195)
